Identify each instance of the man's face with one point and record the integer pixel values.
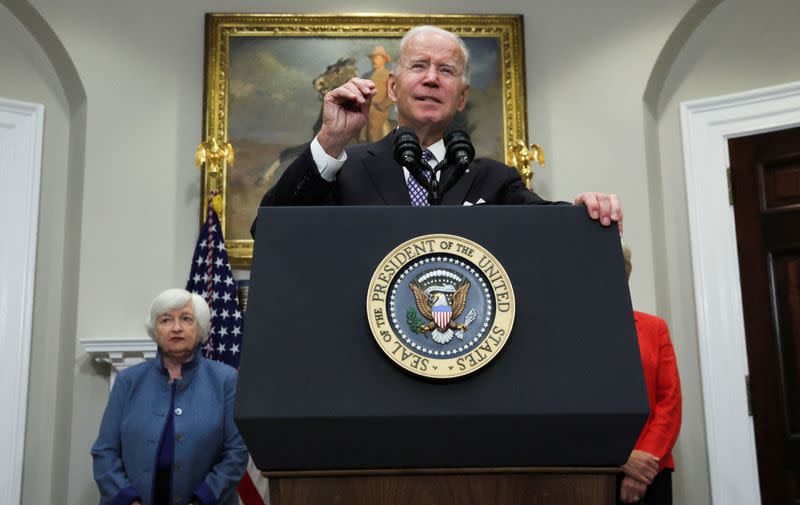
(429, 88)
(378, 61)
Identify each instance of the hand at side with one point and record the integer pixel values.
(641, 466)
(631, 490)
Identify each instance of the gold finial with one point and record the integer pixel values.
(214, 157)
(521, 156)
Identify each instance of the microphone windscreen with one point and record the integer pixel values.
(406, 146)
(458, 146)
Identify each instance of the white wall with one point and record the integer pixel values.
(29, 76)
(142, 67)
(587, 67)
(742, 45)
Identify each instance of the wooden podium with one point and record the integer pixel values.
(465, 486)
(331, 419)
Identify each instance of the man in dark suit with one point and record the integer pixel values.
(429, 84)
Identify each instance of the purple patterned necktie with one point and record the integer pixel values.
(418, 194)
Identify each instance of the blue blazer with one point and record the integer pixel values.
(210, 455)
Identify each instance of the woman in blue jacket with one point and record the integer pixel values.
(167, 434)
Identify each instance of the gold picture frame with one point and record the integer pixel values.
(265, 75)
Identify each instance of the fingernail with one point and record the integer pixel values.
(595, 214)
(606, 221)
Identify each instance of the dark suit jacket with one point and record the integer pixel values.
(371, 176)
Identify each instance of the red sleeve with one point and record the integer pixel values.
(662, 427)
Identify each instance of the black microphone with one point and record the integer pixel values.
(459, 149)
(407, 150)
(459, 153)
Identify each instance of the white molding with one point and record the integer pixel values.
(707, 125)
(121, 353)
(21, 129)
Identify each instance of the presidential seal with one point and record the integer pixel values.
(440, 306)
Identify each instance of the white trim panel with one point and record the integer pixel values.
(707, 125)
(21, 128)
(121, 353)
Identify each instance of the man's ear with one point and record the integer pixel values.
(463, 100)
(390, 87)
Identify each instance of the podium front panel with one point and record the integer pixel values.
(316, 391)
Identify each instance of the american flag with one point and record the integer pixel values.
(211, 278)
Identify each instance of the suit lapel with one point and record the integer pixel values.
(458, 193)
(386, 173)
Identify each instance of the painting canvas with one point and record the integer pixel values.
(268, 101)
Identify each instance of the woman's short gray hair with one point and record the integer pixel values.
(417, 30)
(172, 299)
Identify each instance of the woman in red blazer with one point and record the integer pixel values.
(648, 472)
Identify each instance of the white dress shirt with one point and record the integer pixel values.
(329, 166)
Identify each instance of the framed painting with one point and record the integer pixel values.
(266, 75)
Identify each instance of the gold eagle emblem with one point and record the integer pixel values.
(442, 332)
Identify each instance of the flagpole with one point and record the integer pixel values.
(211, 277)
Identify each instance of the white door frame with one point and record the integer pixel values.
(21, 127)
(707, 125)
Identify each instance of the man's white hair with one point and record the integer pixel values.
(422, 29)
(172, 299)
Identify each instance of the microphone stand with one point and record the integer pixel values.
(434, 194)
(435, 190)
(416, 169)
(454, 177)
(459, 153)
(407, 152)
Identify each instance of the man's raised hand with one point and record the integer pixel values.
(344, 113)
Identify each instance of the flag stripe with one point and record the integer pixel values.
(259, 481)
(247, 491)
